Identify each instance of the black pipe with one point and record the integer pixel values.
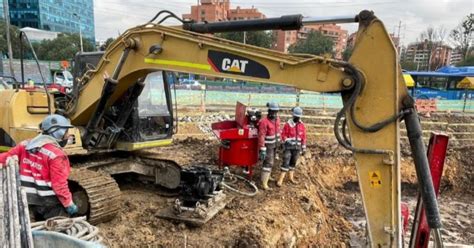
(107, 91)
(119, 66)
(418, 152)
(287, 22)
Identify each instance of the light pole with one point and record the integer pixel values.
(80, 30)
(9, 43)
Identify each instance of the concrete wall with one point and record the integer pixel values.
(31, 69)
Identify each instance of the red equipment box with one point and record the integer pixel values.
(239, 140)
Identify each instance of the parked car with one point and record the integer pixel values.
(189, 81)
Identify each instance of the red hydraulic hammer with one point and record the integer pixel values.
(420, 235)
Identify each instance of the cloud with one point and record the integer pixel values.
(114, 16)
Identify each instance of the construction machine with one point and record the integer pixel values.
(116, 105)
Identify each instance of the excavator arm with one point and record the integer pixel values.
(371, 85)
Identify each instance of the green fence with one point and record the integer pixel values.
(313, 100)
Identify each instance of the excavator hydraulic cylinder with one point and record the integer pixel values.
(425, 182)
(109, 88)
(287, 22)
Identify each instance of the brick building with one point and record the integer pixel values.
(335, 32)
(219, 10)
(428, 59)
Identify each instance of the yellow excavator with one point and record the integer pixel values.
(124, 103)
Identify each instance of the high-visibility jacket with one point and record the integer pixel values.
(294, 134)
(268, 132)
(44, 171)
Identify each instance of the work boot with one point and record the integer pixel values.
(264, 177)
(291, 176)
(281, 178)
(271, 179)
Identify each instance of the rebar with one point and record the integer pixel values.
(14, 216)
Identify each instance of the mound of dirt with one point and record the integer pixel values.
(298, 214)
(323, 209)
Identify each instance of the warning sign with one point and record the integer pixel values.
(375, 179)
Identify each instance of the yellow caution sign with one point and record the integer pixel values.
(375, 179)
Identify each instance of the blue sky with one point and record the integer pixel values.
(115, 16)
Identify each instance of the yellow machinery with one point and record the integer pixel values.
(103, 105)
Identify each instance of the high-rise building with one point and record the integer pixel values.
(456, 56)
(219, 10)
(339, 36)
(427, 58)
(59, 15)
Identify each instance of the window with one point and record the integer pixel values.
(152, 100)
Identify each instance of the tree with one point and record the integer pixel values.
(469, 61)
(64, 47)
(264, 39)
(347, 53)
(462, 35)
(408, 65)
(316, 43)
(433, 38)
(106, 44)
(14, 35)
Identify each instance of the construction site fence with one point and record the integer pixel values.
(288, 97)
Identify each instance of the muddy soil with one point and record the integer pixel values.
(296, 214)
(323, 209)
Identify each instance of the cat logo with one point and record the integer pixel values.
(229, 63)
(235, 65)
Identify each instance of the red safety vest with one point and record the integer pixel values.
(268, 132)
(294, 133)
(43, 173)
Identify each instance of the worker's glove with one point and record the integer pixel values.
(262, 155)
(72, 209)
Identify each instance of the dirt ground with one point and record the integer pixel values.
(323, 209)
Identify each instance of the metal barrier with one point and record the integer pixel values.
(195, 96)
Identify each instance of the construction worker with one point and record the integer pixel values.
(293, 137)
(44, 169)
(268, 138)
(31, 83)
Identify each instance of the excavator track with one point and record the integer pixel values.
(99, 196)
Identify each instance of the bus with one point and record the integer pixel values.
(447, 83)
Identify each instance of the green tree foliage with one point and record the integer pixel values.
(408, 65)
(14, 35)
(347, 53)
(469, 61)
(264, 39)
(462, 35)
(316, 43)
(64, 47)
(107, 44)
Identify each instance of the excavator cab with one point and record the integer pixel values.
(142, 117)
(151, 121)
